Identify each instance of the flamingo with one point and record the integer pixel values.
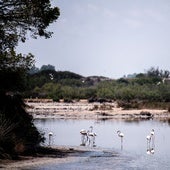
(91, 128)
(148, 137)
(92, 136)
(88, 135)
(84, 136)
(83, 132)
(151, 137)
(152, 132)
(50, 134)
(91, 133)
(121, 135)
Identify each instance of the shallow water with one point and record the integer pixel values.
(131, 153)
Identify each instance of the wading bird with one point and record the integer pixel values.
(121, 135)
(83, 132)
(88, 136)
(84, 137)
(91, 137)
(151, 138)
(152, 132)
(91, 128)
(148, 138)
(50, 135)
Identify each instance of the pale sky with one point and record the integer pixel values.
(108, 38)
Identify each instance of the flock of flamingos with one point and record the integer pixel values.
(88, 138)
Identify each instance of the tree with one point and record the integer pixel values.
(13, 68)
(47, 67)
(18, 17)
(33, 70)
(156, 72)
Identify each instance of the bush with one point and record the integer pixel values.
(18, 134)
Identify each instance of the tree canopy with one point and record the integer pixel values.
(47, 67)
(18, 17)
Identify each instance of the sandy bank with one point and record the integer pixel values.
(85, 110)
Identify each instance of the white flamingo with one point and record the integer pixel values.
(92, 136)
(84, 136)
(91, 128)
(88, 135)
(148, 138)
(50, 135)
(121, 135)
(152, 132)
(83, 132)
(151, 137)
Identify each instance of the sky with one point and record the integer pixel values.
(110, 38)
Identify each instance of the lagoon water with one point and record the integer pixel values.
(109, 152)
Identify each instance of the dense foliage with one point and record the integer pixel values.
(149, 86)
(18, 134)
(13, 68)
(18, 17)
